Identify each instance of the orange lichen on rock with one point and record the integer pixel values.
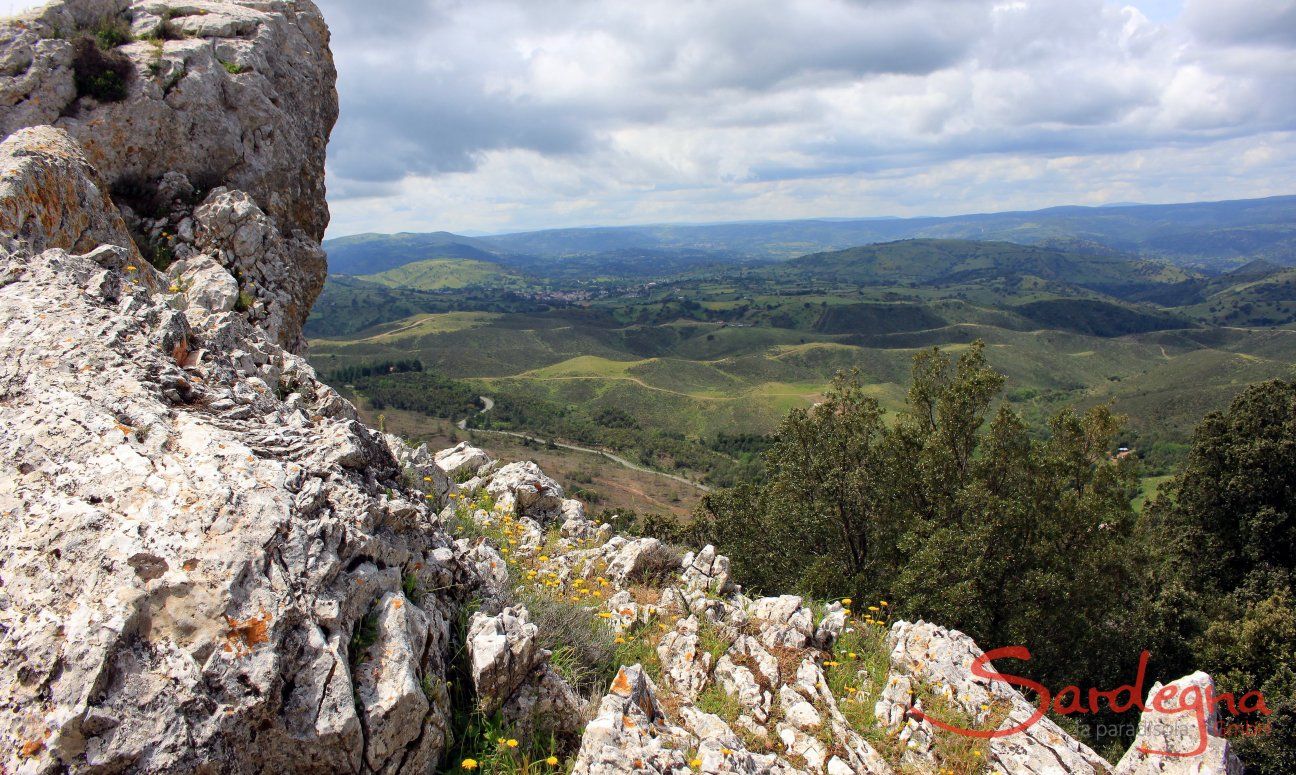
(243, 636)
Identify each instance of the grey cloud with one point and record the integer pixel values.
(1244, 22)
(576, 104)
(420, 81)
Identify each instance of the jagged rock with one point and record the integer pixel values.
(740, 682)
(707, 572)
(942, 659)
(797, 711)
(230, 226)
(187, 553)
(720, 750)
(830, 627)
(186, 117)
(784, 622)
(420, 466)
(629, 733)
(526, 489)
(1162, 735)
(543, 705)
(502, 653)
(577, 528)
(686, 668)
(205, 284)
(402, 727)
(50, 196)
(463, 457)
(628, 560)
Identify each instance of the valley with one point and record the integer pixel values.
(667, 355)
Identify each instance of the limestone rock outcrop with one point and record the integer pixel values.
(204, 552)
(463, 459)
(232, 94)
(1167, 741)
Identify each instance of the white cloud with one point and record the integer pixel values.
(505, 114)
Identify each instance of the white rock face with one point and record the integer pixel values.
(684, 665)
(1166, 742)
(205, 284)
(188, 125)
(526, 489)
(943, 658)
(629, 733)
(502, 651)
(461, 458)
(707, 571)
(194, 528)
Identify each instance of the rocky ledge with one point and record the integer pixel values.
(208, 121)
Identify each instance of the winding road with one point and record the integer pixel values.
(488, 404)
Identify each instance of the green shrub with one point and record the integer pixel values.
(583, 646)
(111, 32)
(100, 74)
(364, 636)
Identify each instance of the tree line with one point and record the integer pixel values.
(955, 512)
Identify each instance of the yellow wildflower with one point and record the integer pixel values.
(552, 761)
(468, 764)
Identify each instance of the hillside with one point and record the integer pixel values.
(1214, 236)
(731, 350)
(439, 274)
(375, 253)
(947, 262)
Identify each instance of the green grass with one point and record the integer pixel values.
(734, 354)
(438, 274)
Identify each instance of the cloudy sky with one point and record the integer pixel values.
(496, 115)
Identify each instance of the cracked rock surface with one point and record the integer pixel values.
(218, 145)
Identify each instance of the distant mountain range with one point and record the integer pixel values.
(1212, 236)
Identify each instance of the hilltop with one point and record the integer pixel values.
(728, 350)
(1209, 235)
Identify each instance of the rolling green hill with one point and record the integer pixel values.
(697, 355)
(1213, 235)
(373, 253)
(438, 274)
(948, 262)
